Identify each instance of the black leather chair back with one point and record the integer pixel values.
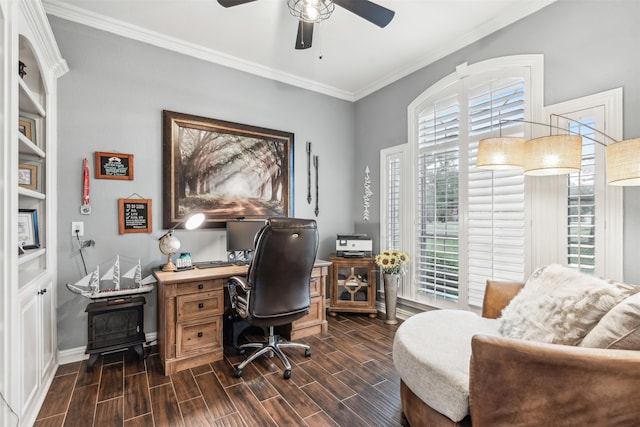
(280, 271)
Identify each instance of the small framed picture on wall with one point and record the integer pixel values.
(114, 166)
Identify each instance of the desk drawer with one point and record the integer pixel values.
(200, 336)
(200, 305)
(199, 286)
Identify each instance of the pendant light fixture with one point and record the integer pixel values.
(559, 154)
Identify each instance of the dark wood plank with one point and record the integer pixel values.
(281, 412)
(132, 364)
(224, 371)
(110, 358)
(370, 376)
(88, 378)
(136, 393)
(356, 351)
(248, 406)
(320, 419)
(195, 413)
(199, 370)
(387, 404)
(215, 396)
(261, 388)
(349, 381)
(329, 363)
(233, 420)
(110, 412)
(82, 406)
(155, 371)
(55, 421)
(58, 397)
(165, 406)
(69, 368)
(300, 402)
(331, 383)
(185, 385)
(338, 411)
(112, 382)
(370, 412)
(142, 421)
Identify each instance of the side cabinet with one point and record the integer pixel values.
(353, 286)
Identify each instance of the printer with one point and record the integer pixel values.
(353, 246)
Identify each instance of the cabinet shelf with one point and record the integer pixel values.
(28, 101)
(30, 255)
(26, 146)
(31, 193)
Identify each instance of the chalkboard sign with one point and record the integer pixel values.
(134, 215)
(114, 166)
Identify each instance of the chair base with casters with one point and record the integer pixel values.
(272, 345)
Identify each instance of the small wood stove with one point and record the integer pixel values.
(115, 325)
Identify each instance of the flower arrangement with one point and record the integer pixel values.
(391, 261)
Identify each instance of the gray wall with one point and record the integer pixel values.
(112, 99)
(588, 47)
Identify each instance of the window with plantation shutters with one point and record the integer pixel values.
(592, 241)
(462, 225)
(581, 202)
(468, 224)
(437, 212)
(391, 186)
(496, 201)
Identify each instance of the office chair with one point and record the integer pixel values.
(276, 290)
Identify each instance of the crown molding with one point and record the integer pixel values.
(81, 16)
(508, 17)
(35, 16)
(124, 29)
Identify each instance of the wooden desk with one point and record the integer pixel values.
(190, 309)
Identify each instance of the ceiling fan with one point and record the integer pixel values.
(313, 11)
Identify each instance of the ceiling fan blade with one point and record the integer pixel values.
(305, 35)
(374, 13)
(231, 3)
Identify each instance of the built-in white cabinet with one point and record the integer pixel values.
(30, 66)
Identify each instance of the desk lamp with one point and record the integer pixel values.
(169, 244)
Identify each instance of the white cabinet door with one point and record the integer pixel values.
(29, 336)
(48, 330)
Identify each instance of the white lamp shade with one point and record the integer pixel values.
(623, 162)
(553, 155)
(194, 221)
(500, 153)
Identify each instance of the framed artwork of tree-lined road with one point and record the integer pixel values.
(225, 170)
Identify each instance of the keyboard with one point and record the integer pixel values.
(212, 264)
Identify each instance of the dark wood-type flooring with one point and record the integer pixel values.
(349, 380)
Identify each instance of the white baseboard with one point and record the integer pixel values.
(78, 354)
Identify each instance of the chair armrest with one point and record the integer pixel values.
(497, 296)
(239, 294)
(525, 383)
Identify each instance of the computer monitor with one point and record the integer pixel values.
(241, 235)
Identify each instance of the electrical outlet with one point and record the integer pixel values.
(77, 226)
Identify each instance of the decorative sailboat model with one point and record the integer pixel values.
(89, 286)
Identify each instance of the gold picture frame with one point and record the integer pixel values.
(27, 127)
(28, 176)
(225, 170)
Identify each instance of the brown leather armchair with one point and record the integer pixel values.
(527, 383)
(276, 289)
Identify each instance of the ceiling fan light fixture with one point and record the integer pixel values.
(313, 11)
